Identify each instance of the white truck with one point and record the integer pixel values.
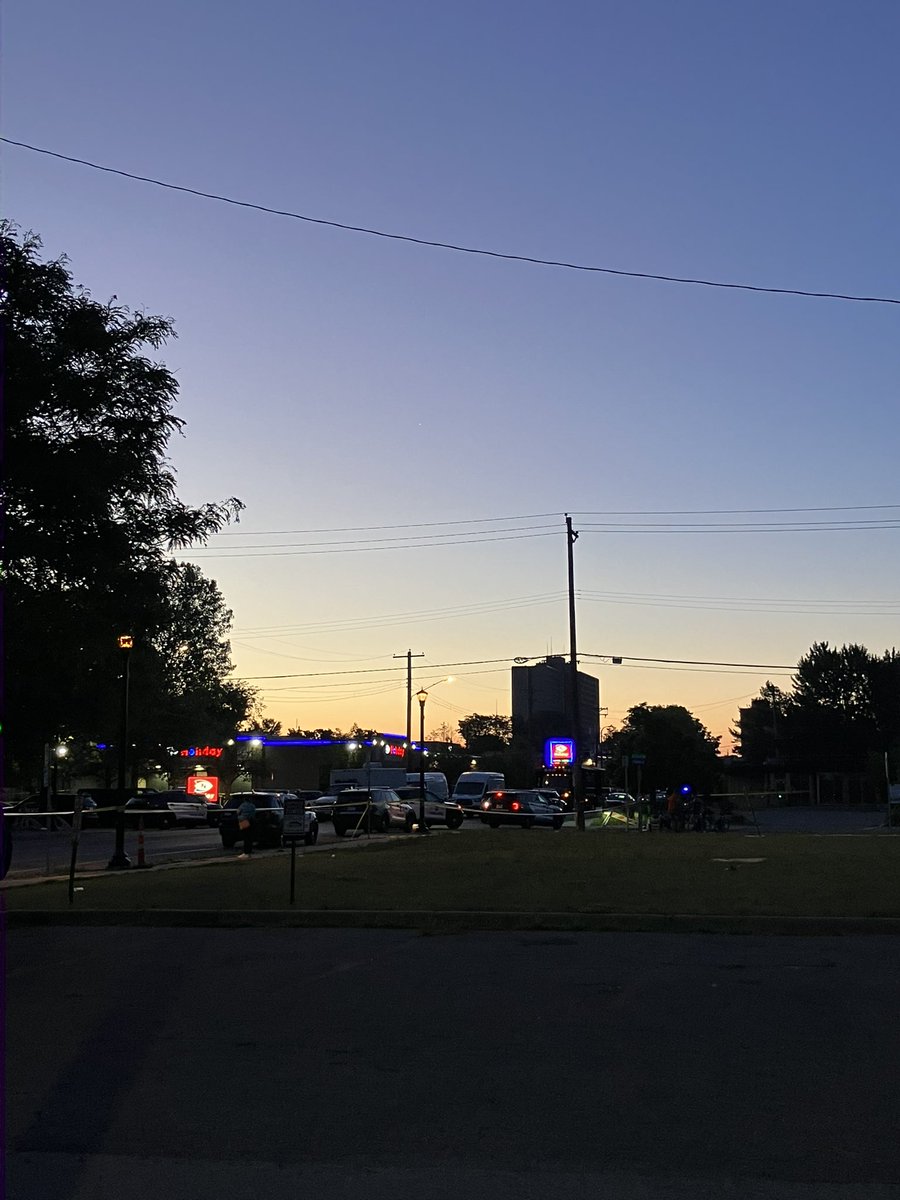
(372, 776)
(471, 788)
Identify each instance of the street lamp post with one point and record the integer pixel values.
(422, 696)
(120, 860)
(59, 753)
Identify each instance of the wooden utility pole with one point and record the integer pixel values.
(577, 775)
(409, 656)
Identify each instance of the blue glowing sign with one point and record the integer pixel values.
(559, 753)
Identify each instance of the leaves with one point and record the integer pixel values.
(92, 514)
(677, 747)
(485, 733)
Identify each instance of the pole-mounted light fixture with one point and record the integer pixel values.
(120, 860)
(422, 696)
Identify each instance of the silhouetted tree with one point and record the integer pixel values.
(678, 748)
(91, 519)
(843, 710)
(483, 733)
(844, 706)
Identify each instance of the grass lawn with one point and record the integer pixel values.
(608, 871)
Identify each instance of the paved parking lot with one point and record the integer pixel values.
(821, 820)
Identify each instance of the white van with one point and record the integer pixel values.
(436, 785)
(472, 785)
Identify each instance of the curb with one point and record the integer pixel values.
(461, 921)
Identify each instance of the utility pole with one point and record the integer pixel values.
(577, 776)
(409, 656)
(120, 860)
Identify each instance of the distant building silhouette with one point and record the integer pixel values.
(542, 705)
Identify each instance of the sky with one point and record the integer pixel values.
(352, 389)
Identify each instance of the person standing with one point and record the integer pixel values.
(246, 814)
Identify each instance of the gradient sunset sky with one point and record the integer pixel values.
(351, 388)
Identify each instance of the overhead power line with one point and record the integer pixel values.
(440, 245)
(537, 658)
(376, 528)
(692, 662)
(729, 512)
(419, 539)
(473, 662)
(736, 527)
(687, 512)
(350, 548)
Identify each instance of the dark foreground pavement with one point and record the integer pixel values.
(196, 1064)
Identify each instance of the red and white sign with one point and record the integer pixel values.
(201, 752)
(204, 786)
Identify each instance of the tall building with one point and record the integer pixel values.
(542, 705)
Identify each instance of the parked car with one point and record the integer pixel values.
(619, 800)
(520, 807)
(437, 811)
(164, 810)
(214, 813)
(107, 799)
(62, 803)
(553, 797)
(268, 823)
(435, 783)
(371, 810)
(317, 802)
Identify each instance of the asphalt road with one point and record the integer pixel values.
(41, 853)
(351, 1063)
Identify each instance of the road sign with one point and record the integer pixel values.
(638, 760)
(294, 817)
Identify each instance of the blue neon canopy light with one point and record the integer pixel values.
(280, 741)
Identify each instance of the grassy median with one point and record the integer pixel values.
(561, 880)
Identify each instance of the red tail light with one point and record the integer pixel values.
(515, 806)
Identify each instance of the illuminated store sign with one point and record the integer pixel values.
(559, 754)
(206, 787)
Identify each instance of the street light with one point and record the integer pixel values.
(422, 696)
(120, 860)
(59, 752)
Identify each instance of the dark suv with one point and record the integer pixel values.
(268, 822)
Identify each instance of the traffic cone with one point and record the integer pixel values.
(141, 861)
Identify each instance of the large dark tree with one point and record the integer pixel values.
(91, 518)
(845, 705)
(482, 732)
(841, 715)
(678, 749)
